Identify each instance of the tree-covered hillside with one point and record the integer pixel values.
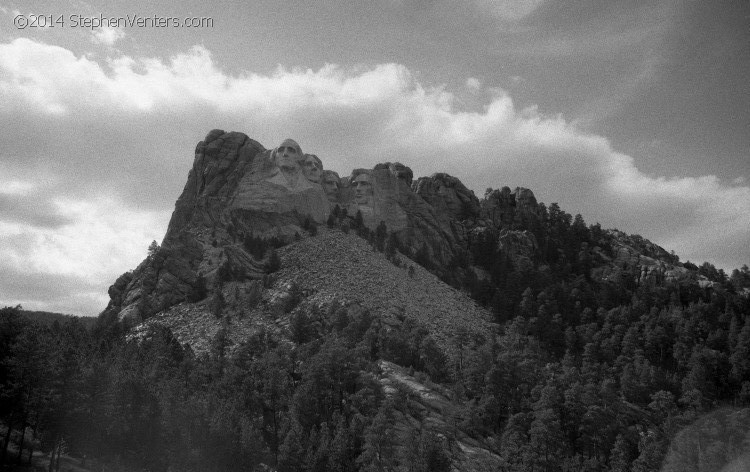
(605, 348)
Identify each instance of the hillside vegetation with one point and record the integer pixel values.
(292, 320)
(580, 374)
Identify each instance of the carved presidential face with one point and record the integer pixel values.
(330, 183)
(312, 167)
(287, 155)
(362, 189)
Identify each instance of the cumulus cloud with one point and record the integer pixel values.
(114, 142)
(472, 83)
(68, 267)
(106, 35)
(35, 212)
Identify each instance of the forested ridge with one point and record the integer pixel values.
(584, 372)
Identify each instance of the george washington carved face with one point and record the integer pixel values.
(287, 154)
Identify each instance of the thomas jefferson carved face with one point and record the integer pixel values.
(362, 189)
(287, 155)
(312, 167)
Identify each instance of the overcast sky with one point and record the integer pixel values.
(634, 114)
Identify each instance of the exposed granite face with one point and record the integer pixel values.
(503, 207)
(235, 188)
(312, 168)
(449, 196)
(331, 183)
(398, 170)
(384, 195)
(281, 193)
(643, 260)
(238, 189)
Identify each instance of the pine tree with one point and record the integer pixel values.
(217, 304)
(358, 220)
(153, 248)
(740, 356)
(381, 233)
(381, 446)
(620, 456)
(320, 458)
(651, 447)
(546, 438)
(274, 262)
(514, 443)
(434, 454)
(199, 290)
(339, 451)
(291, 455)
(391, 246)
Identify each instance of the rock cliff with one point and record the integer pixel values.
(239, 191)
(270, 242)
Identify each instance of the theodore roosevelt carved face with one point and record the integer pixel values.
(331, 184)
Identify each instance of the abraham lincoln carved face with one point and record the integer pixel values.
(362, 189)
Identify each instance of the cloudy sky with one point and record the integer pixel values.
(635, 114)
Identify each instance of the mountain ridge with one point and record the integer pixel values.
(293, 319)
(237, 189)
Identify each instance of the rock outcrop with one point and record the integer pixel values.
(642, 260)
(269, 241)
(504, 208)
(448, 196)
(519, 246)
(238, 189)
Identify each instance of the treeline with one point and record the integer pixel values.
(583, 373)
(610, 389)
(567, 253)
(590, 373)
(600, 375)
(152, 404)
